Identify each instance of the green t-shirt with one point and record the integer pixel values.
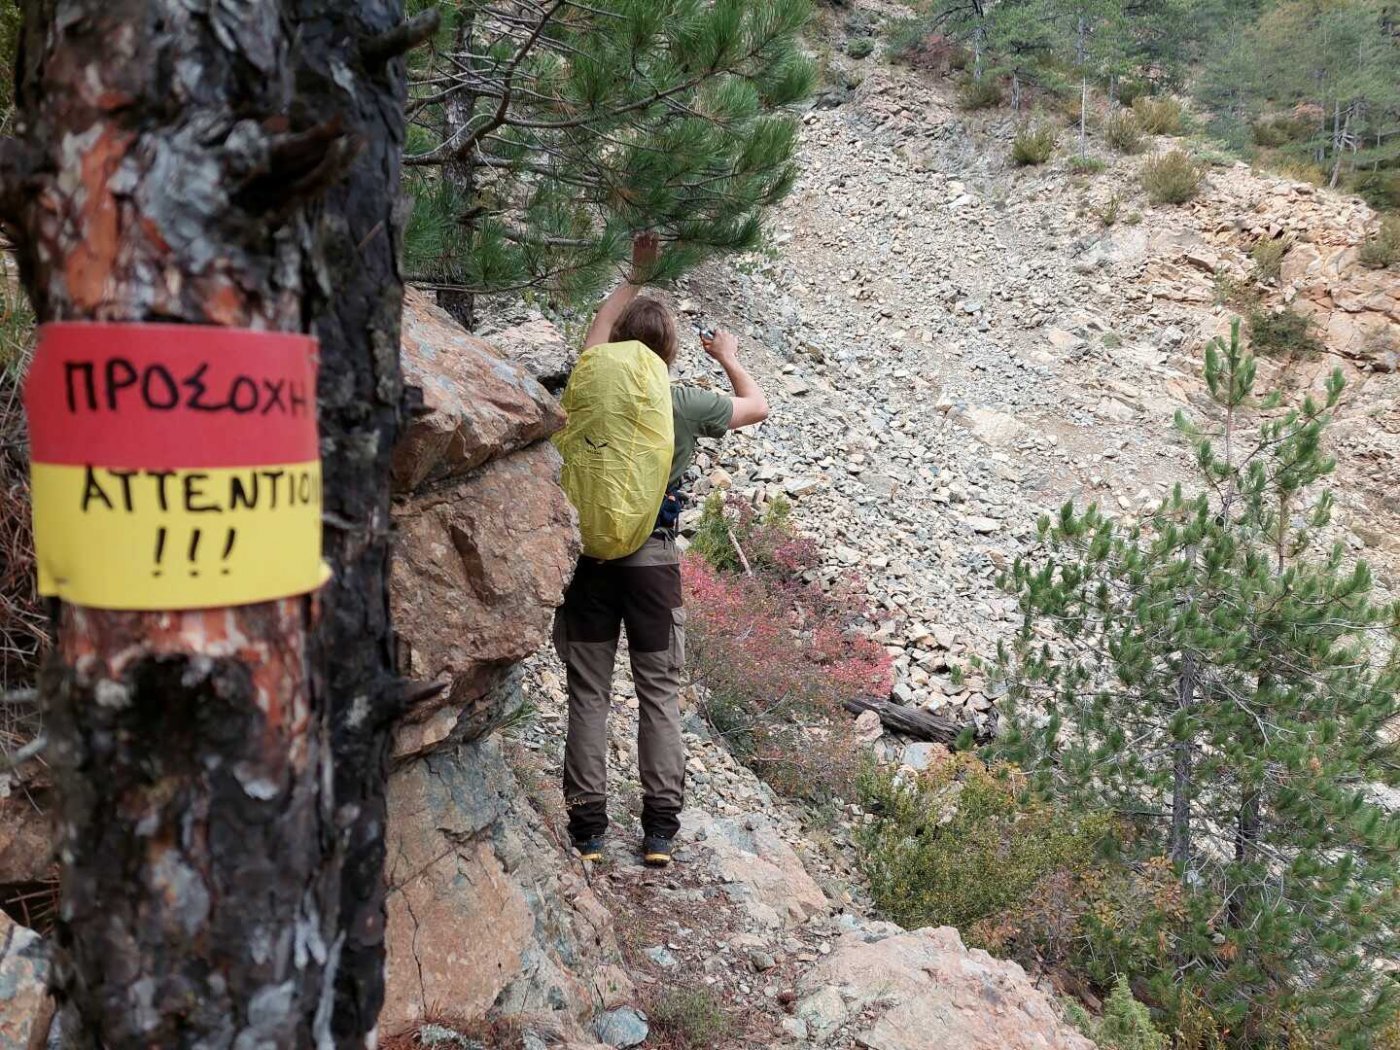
(697, 413)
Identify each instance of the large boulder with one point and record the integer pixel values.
(911, 991)
(484, 913)
(487, 539)
(481, 566)
(541, 349)
(472, 405)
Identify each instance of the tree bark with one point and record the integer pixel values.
(459, 110)
(1179, 847)
(173, 166)
(355, 308)
(1082, 52)
(921, 725)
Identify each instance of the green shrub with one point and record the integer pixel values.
(690, 1018)
(1033, 145)
(1130, 89)
(1110, 209)
(1126, 1023)
(1158, 116)
(958, 844)
(1382, 248)
(1123, 132)
(1268, 254)
(1171, 178)
(1097, 921)
(983, 93)
(1236, 291)
(1282, 333)
(861, 47)
(1086, 165)
(1380, 188)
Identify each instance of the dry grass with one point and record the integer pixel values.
(1172, 178)
(23, 635)
(452, 1033)
(32, 904)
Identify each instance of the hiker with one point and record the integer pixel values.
(641, 590)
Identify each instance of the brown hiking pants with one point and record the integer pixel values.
(643, 592)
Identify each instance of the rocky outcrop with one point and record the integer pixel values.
(486, 535)
(482, 563)
(757, 869)
(486, 915)
(471, 404)
(1357, 309)
(536, 345)
(909, 991)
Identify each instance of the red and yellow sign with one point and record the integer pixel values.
(174, 466)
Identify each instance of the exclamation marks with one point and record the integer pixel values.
(230, 538)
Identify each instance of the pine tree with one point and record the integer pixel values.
(1091, 39)
(545, 135)
(1326, 71)
(1225, 683)
(220, 822)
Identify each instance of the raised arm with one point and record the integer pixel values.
(750, 406)
(643, 259)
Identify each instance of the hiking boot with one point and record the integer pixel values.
(590, 849)
(656, 851)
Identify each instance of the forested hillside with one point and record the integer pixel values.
(1042, 644)
(1308, 86)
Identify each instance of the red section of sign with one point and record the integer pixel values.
(166, 396)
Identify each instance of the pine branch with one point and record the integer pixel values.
(404, 37)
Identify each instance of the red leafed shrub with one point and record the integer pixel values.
(776, 659)
(916, 47)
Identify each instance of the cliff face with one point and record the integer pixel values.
(484, 912)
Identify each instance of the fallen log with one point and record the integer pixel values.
(920, 724)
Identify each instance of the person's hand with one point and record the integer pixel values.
(721, 345)
(645, 248)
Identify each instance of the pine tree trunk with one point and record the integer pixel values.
(1179, 847)
(1083, 114)
(1082, 53)
(355, 310)
(1343, 133)
(170, 169)
(1336, 140)
(460, 171)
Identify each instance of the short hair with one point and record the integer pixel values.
(648, 322)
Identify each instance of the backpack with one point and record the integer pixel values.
(617, 446)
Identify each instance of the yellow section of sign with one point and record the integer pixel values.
(182, 539)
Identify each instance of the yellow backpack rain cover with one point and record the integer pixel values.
(617, 446)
